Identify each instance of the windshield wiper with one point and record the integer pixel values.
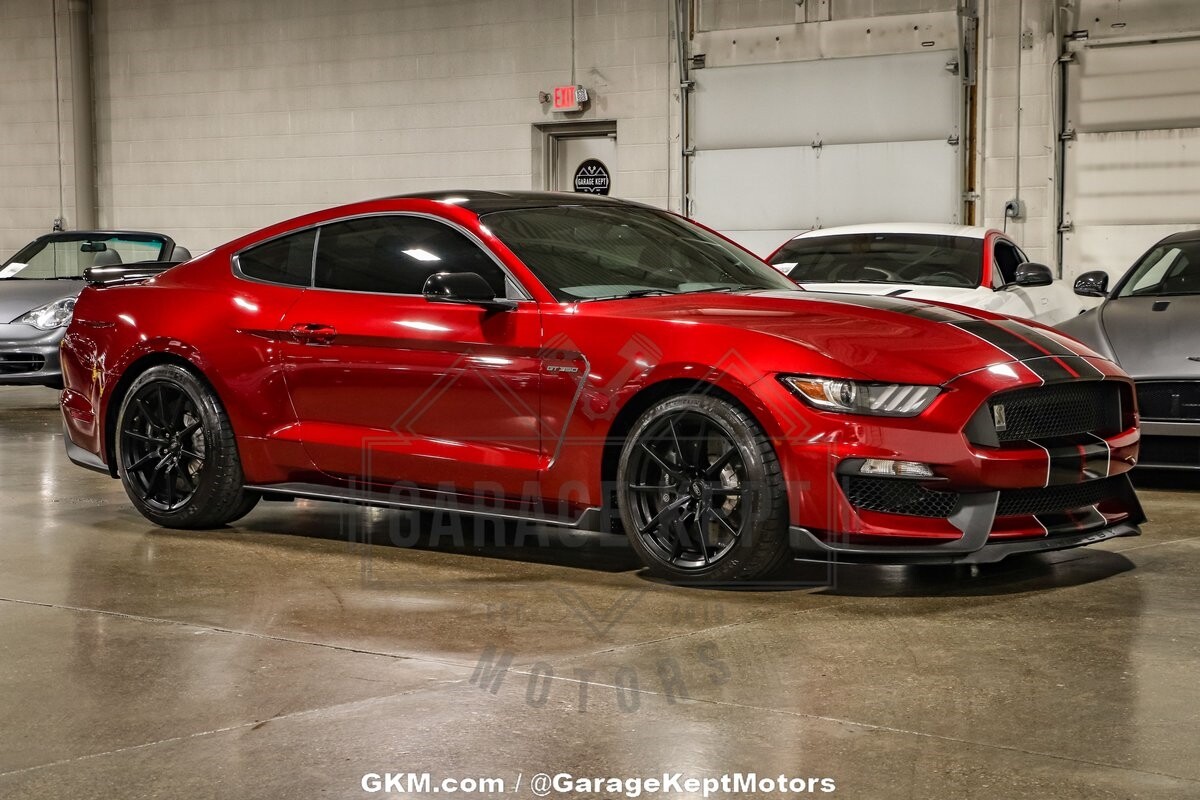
(729, 289)
(634, 293)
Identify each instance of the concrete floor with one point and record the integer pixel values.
(279, 657)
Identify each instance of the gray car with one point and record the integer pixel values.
(38, 287)
(1150, 324)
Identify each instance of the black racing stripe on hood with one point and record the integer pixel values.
(1018, 348)
(1060, 351)
(912, 308)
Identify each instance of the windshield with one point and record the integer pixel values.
(925, 259)
(68, 256)
(597, 252)
(1169, 269)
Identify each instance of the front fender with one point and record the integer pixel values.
(1088, 328)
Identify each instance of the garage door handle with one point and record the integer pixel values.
(313, 333)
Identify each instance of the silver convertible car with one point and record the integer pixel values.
(1150, 324)
(38, 287)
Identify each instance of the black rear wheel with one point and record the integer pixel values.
(701, 494)
(176, 453)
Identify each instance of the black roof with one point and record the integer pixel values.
(482, 201)
(1182, 236)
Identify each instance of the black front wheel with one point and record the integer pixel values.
(176, 453)
(701, 493)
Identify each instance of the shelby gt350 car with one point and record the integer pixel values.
(577, 360)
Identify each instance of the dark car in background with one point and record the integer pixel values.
(38, 287)
(1150, 324)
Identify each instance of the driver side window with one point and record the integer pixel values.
(1005, 260)
(396, 254)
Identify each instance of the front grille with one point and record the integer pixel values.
(1019, 502)
(1062, 409)
(1171, 451)
(899, 496)
(1169, 400)
(16, 363)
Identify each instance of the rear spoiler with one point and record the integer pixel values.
(127, 273)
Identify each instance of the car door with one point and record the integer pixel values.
(391, 388)
(274, 275)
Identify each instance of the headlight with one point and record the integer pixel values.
(852, 397)
(50, 316)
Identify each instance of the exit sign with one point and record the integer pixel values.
(569, 98)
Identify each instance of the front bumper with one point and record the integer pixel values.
(29, 357)
(806, 545)
(985, 536)
(1170, 408)
(1170, 445)
(988, 499)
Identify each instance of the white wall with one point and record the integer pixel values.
(30, 190)
(215, 117)
(1019, 124)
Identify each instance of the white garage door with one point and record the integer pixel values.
(783, 148)
(1133, 169)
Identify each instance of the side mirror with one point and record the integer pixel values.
(1092, 284)
(467, 288)
(1033, 274)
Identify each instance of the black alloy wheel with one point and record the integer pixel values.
(701, 494)
(162, 446)
(176, 453)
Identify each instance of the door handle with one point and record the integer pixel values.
(313, 333)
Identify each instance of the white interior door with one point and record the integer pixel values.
(570, 153)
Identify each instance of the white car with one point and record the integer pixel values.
(967, 266)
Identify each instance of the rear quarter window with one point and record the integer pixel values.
(287, 260)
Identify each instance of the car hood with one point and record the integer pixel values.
(886, 339)
(1154, 337)
(17, 296)
(912, 291)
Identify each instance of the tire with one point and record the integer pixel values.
(176, 453)
(701, 493)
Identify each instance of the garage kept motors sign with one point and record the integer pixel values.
(591, 177)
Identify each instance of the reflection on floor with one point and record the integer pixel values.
(287, 656)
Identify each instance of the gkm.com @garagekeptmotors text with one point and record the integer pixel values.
(568, 785)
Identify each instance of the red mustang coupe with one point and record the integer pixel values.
(581, 361)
